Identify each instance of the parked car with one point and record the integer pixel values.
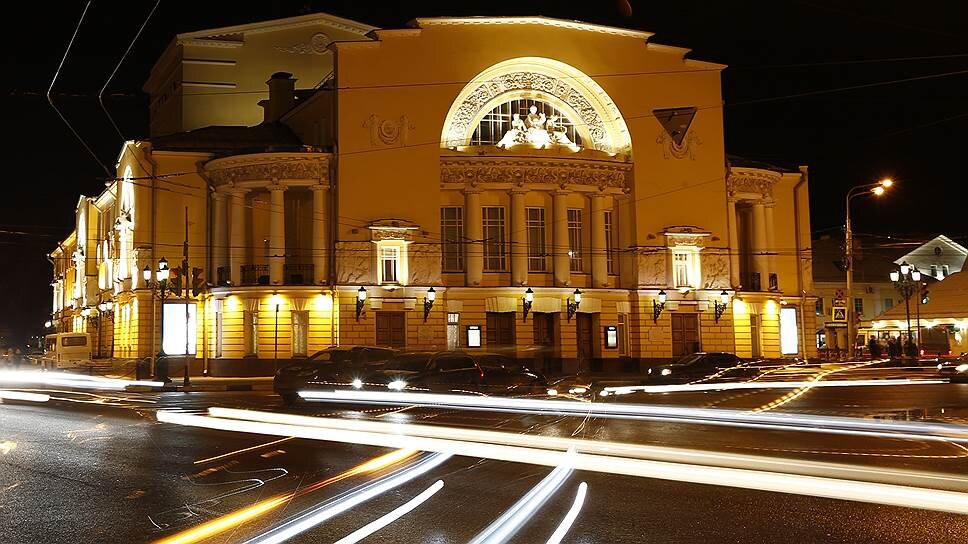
(456, 371)
(954, 369)
(700, 365)
(336, 364)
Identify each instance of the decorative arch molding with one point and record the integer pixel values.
(564, 86)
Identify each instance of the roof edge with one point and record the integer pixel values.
(421, 22)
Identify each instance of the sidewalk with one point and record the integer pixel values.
(208, 383)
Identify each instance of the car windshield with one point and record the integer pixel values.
(500, 362)
(331, 356)
(690, 359)
(409, 363)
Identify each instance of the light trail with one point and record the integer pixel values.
(243, 515)
(20, 395)
(680, 414)
(392, 516)
(318, 514)
(571, 516)
(67, 379)
(504, 527)
(640, 451)
(692, 387)
(813, 382)
(747, 478)
(241, 451)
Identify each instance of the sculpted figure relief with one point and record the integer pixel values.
(535, 129)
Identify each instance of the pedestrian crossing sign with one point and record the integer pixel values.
(839, 314)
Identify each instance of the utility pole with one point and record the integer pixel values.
(185, 286)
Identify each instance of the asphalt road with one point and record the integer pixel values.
(99, 468)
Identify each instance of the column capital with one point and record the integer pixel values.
(596, 195)
(518, 190)
(276, 186)
(237, 190)
(561, 192)
(220, 195)
(319, 187)
(471, 190)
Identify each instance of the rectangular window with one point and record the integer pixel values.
(680, 269)
(934, 271)
(300, 333)
(945, 271)
(389, 263)
(574, 239)
(623, 338)
(609, 243)
(536, 240)
(250, 320)
(452, 238)
(495, 259)
(453, 331)
(888, 304)
(859, 306)
(820, 305)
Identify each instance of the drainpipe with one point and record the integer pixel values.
(803, 293)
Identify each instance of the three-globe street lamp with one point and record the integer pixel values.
(160, 284)
(876, 189)
(907, 282)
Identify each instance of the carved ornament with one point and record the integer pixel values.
(266, 167)
(751, 180)
(316, 45)
(388, 131)
(678, 151)
(474, 171)
(391, 229)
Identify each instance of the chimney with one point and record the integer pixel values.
(282, 96)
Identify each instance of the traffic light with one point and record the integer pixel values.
(198, 281)
(175, 282)
(924, 294)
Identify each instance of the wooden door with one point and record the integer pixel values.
(500, 331)
(585, 327)
(545, 340)
(391, 329)
(685, 334)
(755, 349)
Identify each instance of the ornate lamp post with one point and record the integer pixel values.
(907, 282)
(876, 189)
(160, 285)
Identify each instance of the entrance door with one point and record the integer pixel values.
(756, 351)
(544, 341)
(685, 334)
(500, 331)
(585, 328)
(391, 329)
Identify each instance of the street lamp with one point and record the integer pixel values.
(876, 189)
(528, 301)
(360, 301)
(160, 284)
(720, 306)
(429, 302)
(658, 306)
(907, 282)
(573, 306)
(276, 301)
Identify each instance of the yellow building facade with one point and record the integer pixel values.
(551, 189)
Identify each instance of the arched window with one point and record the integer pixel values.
(498, 121)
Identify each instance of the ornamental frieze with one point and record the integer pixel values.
(521, 172)
(751, 180)
(262, 168)
(463, 119)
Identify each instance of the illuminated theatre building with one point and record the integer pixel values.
(554, 190)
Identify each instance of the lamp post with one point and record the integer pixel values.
(159, 284)
(429, 302)
(907, 282)
(876, 189)
(276, 301)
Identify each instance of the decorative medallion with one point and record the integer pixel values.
(316, 45)
(388, 131)
(671, 149)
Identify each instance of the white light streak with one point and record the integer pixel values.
(764, 385)
(342, 503)
(392, 516)
(747, 478)
(67, 379)
(504, 527)
(20, 395)
(571, 516)
(682, 414)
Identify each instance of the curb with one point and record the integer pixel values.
(205, 388)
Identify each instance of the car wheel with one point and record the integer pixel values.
(289, 399)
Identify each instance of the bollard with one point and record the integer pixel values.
(187, 382)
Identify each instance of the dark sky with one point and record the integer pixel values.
(912, 130)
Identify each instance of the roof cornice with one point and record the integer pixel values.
(421, 22)
(313, 19)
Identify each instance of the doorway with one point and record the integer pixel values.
(586, 340)
(545, 342)
(391, 329)
(685, 334)
(500, 332)
(756, 351)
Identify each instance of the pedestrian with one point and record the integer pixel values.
(910, 349)
(874, 347)
(891, 348)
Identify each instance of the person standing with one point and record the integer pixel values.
(874, 348)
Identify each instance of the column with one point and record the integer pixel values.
(519, 239)
(320, 243)
(599, 247)
(559, 239)
(277, 233)
(474, 233)
(732, 225)
(220, 233)
(237, 245)
(770, 237)
(759, 244)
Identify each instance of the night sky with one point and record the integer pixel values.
(911, 130)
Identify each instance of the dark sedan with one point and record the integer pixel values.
(456, 371)
(336, 364)
(954, 369)
(701, 365)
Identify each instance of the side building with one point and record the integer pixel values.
(465, 183)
